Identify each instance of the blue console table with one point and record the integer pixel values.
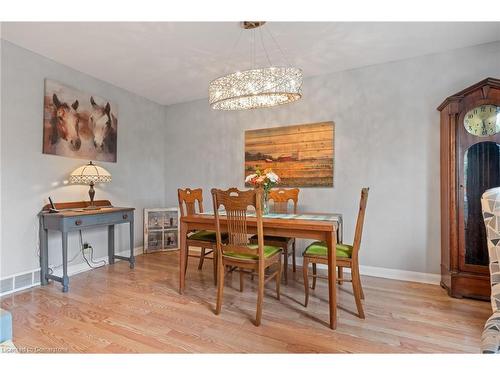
(72, 217)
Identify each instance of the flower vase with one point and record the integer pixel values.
(265, 202)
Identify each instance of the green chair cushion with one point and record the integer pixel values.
(203, 235)
(319, 248)
(269, 251)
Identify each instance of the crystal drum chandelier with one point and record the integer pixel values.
(256, 88)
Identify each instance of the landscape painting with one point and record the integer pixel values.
(78, 125)
(301, 155)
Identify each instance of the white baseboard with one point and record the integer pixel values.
(37, 283)
(391, 273)
(73, 269)
(385, 273)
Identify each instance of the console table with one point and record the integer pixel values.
(73, 217)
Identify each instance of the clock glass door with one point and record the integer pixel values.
(481, 171)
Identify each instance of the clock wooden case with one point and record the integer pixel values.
(470, 164)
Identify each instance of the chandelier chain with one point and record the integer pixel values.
(233, 48)
(287, 62)
(257, 87)
(253, 49)
(264, 47)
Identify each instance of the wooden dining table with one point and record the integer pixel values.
(314, 226)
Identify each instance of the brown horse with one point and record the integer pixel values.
(65, 123)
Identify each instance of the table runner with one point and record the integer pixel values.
(300, 216)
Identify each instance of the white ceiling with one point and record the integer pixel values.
(173, 62)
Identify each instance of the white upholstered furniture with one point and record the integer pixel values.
(490, 202)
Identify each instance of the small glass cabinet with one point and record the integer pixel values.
(161, 229)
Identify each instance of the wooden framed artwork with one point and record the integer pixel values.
(301, 155)
(78, 124)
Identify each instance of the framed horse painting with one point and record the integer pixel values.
(78, 125)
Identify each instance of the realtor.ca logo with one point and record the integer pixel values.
(34, 350)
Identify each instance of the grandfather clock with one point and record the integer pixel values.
(470, 164)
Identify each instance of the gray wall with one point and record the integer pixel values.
(387, 138)
(1, 127)
(28, 177)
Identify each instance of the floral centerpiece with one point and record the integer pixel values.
(265, 179)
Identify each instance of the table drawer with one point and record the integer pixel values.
(85, 221)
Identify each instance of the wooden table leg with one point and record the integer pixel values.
(332, 275)
(182, 257)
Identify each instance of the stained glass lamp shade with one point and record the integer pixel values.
(90, 174)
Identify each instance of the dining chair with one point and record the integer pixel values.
(204, 239)
(347, 256)
(279, 200)
(237, 252)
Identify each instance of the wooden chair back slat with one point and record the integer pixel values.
(280, 199)
(188, 199)
(237, 227)
(360, 221)
(236, 204)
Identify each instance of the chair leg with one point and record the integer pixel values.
(202, 258)
(305, 266)
(220, 287)
(314, 276)
(356, 286)
(340, 275)
(241, 280)
(260, 298)
(187, 259)
(278, 279)
(294, 263)
(361, 285)
(215, 265)
(285, 269)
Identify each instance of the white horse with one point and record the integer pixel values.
(103, 124)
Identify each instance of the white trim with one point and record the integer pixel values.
(391, 273)
(385, 273)
(20, 289)
(72, 270)
(20, 273)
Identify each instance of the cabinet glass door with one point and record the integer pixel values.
(481, 172)
(170, 219)
(170, 239)
(155, 241)
(155, 220)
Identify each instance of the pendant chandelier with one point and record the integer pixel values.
(256, 87)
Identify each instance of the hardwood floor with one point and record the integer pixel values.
(118, 310)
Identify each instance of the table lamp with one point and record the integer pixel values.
(90, 174)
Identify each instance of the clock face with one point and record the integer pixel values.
(483, 121)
